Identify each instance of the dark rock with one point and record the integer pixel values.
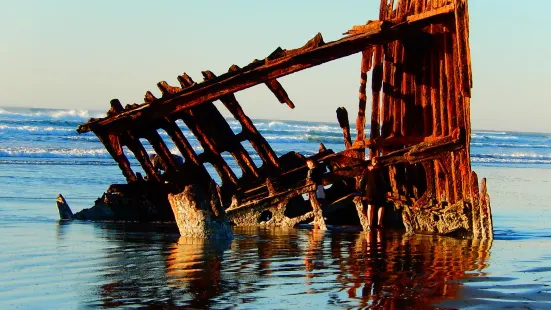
(65, 212)
(138, 201)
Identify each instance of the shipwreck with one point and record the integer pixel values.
(418, 55)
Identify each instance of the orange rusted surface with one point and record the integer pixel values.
(419, 57)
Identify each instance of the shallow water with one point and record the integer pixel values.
(47, 264)
(102, 265)
(75, 265)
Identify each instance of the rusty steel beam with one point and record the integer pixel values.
(425, 150)
(367, 62)
(142, 156)
(211, 154)
(279, 92)
(113, 146)
(250, 132)
(342, 117)
(390, 141)
(159, 146)
(376, 87)
(236, 149)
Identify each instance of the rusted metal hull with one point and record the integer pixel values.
(419, 57)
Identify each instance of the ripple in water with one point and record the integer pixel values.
(107, 265)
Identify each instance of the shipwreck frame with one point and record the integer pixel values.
(419, 57)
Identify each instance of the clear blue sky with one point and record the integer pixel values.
(80, 54)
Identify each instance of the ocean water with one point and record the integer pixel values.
(47, 264)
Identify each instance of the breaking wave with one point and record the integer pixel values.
(296, 127)
(59, 114)
(82, 138)
(305, 138)
(510, 145)
(490, 132)
(36, 129)
(527, 158)
(478, 135)
(33, 152)
(57, 161)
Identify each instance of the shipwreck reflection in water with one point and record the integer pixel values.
(300, 268)
(399, 271)
(196, 267)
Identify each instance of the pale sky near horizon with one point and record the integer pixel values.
(80, 54)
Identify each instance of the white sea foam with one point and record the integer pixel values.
(489, 132)
(295, 127)
(510, 145)
(493, 136)
(502, 137)
(71, 114)
(38, 113)
(517, 157)
(175, 150)
(528, 155)
(58, 161)
(52, 153)
(476, 159)
(82, 138)
(35, 129)
(306, 138)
